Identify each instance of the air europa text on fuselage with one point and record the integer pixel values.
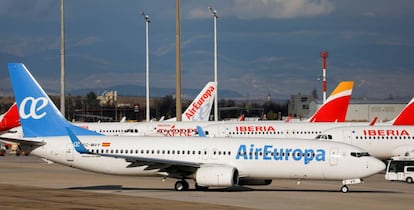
(255, 128)
(268, 152)
(392, 132)
(196, 105)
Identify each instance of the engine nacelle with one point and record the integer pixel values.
(217, 176)
(247, 181)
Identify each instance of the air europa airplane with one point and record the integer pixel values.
(210, 162)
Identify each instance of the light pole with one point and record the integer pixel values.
(214, 13)
(147, 21)
(62, 58)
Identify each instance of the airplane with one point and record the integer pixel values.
(276, 129)
(381, 141)
(339, 100)
(210, 162)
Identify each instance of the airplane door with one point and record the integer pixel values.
(333, 157)
(69, 152)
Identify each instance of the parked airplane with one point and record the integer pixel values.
(327, 116)
(382, 141)
(296, 129)
(339, 99)
(210, 162)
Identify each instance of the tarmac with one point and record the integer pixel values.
(27, 182)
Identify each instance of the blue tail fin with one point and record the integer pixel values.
(38, 115)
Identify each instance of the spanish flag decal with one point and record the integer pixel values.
(106, 144)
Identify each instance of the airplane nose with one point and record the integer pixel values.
(376, 165)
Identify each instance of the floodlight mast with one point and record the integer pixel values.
(147, 21)
(215, 16)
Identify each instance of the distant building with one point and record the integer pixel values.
(298, 106)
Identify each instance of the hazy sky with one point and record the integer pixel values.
(264, 46)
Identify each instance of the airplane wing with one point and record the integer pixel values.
(22, 141)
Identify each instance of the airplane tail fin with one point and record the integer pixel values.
(336, 105)
(406, 116)
(200, 108)
(38, 115)
(10, 119)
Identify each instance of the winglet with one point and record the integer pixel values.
(10, 119)
(406, 116)
(38, 115)
(335, 107)
(77, 144)
(200, 131)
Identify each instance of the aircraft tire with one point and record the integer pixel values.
(181, 185)
(344, 189)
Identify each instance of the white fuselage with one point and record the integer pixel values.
(382, 142)
(269, 159)
(270, 129)
(164, 128)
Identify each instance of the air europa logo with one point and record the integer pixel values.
(35, 109)
(199, 103)
(267, 152)
(391, 132)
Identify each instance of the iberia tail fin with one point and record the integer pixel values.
(10, 119)
(406, 116)
(38, 115)
(336, 105)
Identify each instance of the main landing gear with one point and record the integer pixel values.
(181, 185)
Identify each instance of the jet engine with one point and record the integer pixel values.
(217, 176)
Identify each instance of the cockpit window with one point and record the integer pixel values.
(359, 154)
